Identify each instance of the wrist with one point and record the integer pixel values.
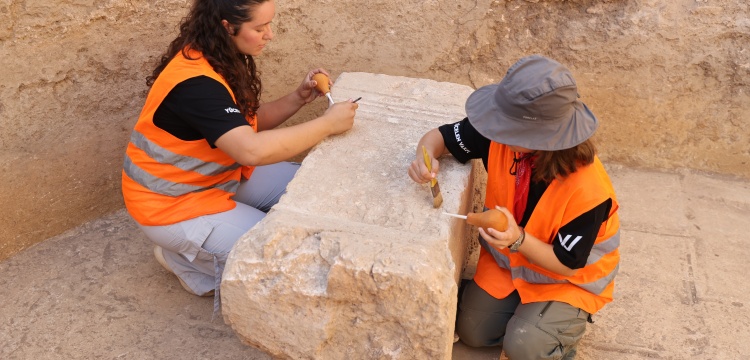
(330, 124)
(299, 100)
(517, 244)
(295, 99)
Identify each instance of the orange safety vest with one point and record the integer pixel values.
(166, 180)
(499, 272)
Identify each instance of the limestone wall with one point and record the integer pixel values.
(669, 79)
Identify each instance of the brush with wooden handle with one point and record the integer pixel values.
(322, 86)
(437, 197)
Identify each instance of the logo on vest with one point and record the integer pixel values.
(564, 242)
(232, 110)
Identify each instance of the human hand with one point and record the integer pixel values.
(306, 90)
(502, 239)
(418, 169)
(341, 116)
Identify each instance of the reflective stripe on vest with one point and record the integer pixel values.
(187, 163)
(533, 277)
(169, 188)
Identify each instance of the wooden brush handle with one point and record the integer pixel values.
(427, 162)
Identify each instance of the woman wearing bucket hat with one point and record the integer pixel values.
(537, 283)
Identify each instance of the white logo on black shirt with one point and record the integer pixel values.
(232, 110)
(564, 242)
(458, 138)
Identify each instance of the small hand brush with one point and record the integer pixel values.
(437, 197)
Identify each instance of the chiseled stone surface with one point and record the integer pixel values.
(354, 262)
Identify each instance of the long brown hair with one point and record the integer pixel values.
(202, 30)
(549, 165)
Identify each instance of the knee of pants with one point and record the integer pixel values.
(474, 339)
(524, 340)
(473, 334)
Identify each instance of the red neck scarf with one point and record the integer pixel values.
(521, 168)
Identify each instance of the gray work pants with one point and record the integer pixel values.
(542, 330)
(196, 249)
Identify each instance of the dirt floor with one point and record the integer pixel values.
(96, 291)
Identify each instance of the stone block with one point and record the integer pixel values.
(354, 262)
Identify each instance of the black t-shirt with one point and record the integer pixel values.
(575, 239)
(199, 108)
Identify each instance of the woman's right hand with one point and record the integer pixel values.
(433, 143)
(341, 116)
(418, 169)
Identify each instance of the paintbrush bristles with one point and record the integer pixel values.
(437, 197)
(437, 201)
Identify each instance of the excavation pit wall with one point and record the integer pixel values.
(668, 79)
(355, 262)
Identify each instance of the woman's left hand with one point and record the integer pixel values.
(306, 90)
(502, 239)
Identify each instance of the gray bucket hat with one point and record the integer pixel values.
(535, 106)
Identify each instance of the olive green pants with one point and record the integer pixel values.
(543, 330)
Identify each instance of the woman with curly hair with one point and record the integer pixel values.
(205, 160)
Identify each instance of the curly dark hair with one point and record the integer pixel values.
(202, 30)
